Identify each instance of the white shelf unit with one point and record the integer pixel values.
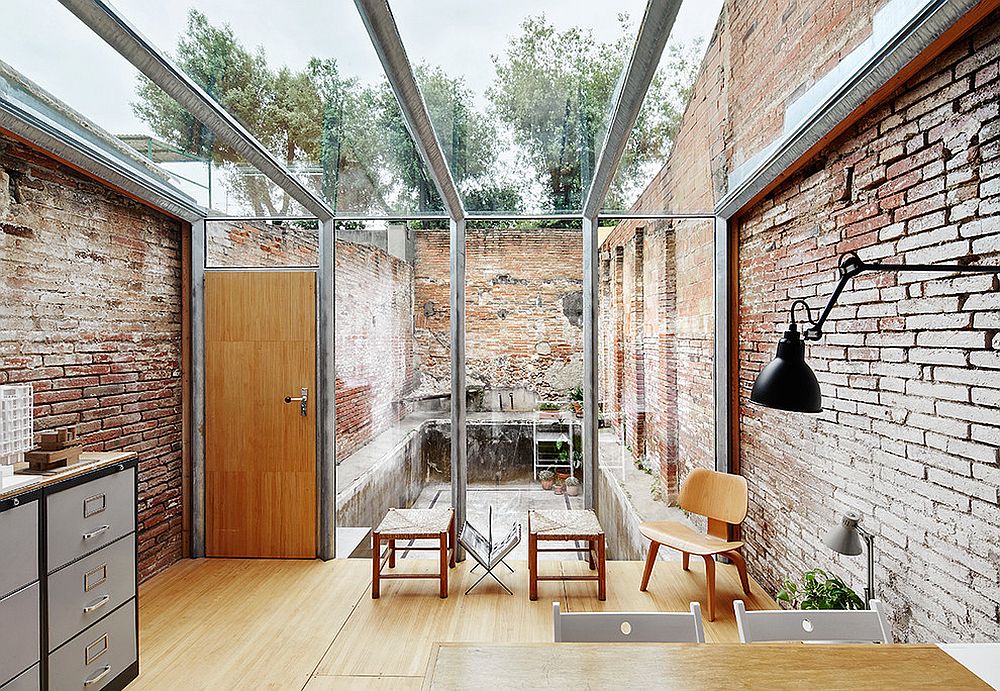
(17, 433)
(547, 433)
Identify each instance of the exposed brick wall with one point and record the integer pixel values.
(375, 344)
(524, 325)
(91, 285)
(909, 366)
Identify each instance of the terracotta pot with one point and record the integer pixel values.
(573, 490)
(578, 408)
(547, 484)
(562, 476)
(559, 489)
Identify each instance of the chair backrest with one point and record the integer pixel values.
(818, 625)
(628, 627)
(721, 497)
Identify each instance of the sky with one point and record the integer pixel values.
(45, 42)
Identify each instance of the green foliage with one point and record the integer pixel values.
(819, 590)
(546, 475)
(576, 394)
(545, 405)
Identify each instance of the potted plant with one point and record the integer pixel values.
(559, 487)
(572, 486)
(562, 452)
(819, 590)
(547, 477)
(549, 411)
(576, 400)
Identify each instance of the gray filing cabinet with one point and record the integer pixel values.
(73, 587)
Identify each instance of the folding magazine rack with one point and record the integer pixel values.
(487, 554)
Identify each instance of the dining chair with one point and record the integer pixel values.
(722, 499)
(816, 625)
(628, 627)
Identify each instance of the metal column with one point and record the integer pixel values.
(458, 401)
(198, 389)
(591, 446)
(723, 371)
(326, 378)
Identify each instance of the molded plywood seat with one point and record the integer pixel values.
(720, 497)
(684, 538)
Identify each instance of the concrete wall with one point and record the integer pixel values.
(91, 288)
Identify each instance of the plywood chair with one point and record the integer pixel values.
(628, 627)
(816, 625)
(720, 497)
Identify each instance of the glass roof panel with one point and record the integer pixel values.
(649, 144)
(304, 79)
(519, 92)
(86, 77)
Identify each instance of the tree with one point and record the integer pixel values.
(553, 90)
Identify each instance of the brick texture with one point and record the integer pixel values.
(91, 285)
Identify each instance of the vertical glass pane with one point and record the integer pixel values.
(393, 385)
(524, 372)
(655, 364)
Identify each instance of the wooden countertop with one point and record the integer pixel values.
(89, 460)
(695, 666)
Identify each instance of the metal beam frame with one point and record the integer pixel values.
(629, 96)
(381, 26)
(326, 378)
(117, 32)
(591, 420)
(459, 450)
(197, 426)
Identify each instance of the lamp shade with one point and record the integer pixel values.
(788, 383)
(845, 538)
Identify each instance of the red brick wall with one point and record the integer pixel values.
(91, 285)
(909, 367)
(523, 301)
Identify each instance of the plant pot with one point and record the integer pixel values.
(547, 484)
(573, 490)
(559, 489)
(578, 408)
(562, 476)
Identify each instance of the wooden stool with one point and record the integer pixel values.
(414, 524)
(566, 525)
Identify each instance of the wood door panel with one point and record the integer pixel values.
(260, 453)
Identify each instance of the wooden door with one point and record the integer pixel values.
(260, 452)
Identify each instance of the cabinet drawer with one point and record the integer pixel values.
(30, 680)
(19, 634)
(87, 517)
(95, 657)
(86, 590)
(19, 546)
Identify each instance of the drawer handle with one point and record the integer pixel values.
(94, 533)
(97, 604)
(97, 677)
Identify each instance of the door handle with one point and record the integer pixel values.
(303, 399)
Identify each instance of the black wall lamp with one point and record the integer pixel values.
(787, 382)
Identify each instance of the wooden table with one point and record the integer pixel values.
(566, 525)
(690, 666)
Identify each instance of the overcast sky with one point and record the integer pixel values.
(49, 45)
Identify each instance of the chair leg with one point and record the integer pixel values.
(376, 563)
(444, 564)
(602, 570)
(654, 547)
(685, 558)
(710, 583)
(392, 554)
(532, 566)
(741, 568)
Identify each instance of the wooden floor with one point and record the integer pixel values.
(242, 624)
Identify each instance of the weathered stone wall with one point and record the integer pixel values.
(524, 323)
(91, 316)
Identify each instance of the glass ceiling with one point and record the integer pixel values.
(518, 93)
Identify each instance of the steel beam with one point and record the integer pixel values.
(197, 389)
(591, 420)
(116, 31)
(326, 377)
(629, 95)
(723, 374)
(384, 34)
(459, 455)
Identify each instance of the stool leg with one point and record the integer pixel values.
(376, 563)
(444, 564)
(592, 553)
(533, 566)
(602, 571)
(392, 554)
(710, 583)
(654, 547)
